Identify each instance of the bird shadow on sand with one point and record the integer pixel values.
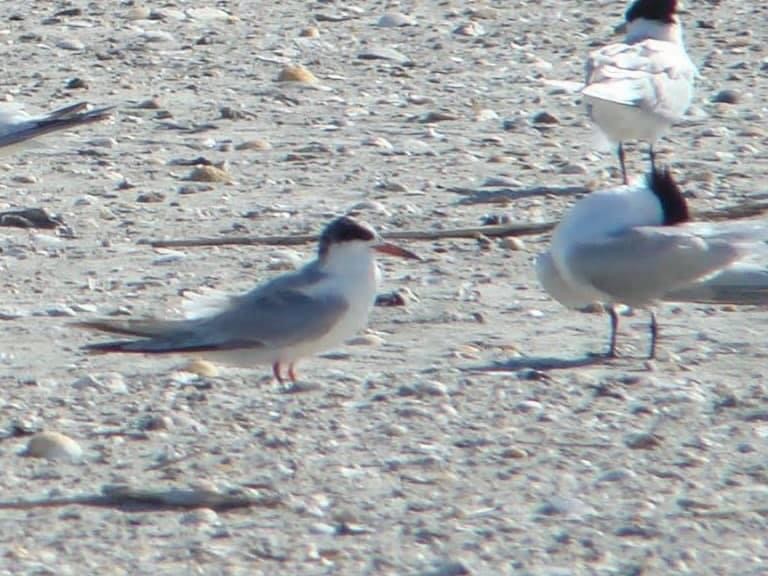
(540, 363)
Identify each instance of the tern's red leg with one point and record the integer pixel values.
(292, 373)
(276, 372)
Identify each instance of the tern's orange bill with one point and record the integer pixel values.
(395, 250)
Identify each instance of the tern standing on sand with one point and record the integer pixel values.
(288, 318)
(636, 89)
(635, 245)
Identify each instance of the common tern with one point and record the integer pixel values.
(635, 245)
(281, 321)
(636, 89)
(16, 126)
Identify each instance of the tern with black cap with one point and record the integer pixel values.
(292, 316)
(636, 89)
(636, 245)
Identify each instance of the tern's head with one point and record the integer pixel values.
(346, 236)
(655, 19)
(671, 198)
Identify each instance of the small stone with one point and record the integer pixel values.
(255, 144)
(512, 243)
(437, 116)
(209, 174)
(150, 197)
(201, 368)
(53, 446)
(573, 168)
(149, 104)
(383, 53)
(545, 118)
(76, 84)
(395, 20)
(727, 96)
(513, 453)
(366, 340)
(310, 32)
(138, 13)
(199, 517)
(449, 568)
(471, 28)
(614, 475)
(70, 44)
(208, 14)
(296, 73)
(641, 441)
(24, 179)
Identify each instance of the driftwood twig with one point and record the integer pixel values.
(496, 231)
(123, 496)
(734, 212)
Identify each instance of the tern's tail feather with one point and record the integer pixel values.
(741, 284)
(159, 336)
(60, 119)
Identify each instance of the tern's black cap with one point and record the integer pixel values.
(671, 198)
(344, 229)
(659, 10)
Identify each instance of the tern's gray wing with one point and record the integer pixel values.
(280, 313)
(641, 265)
(652, 75)
(15, 129)
(740, 283)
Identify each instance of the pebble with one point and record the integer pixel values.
(448, 568)
(113, 382)
(70, 44)
(310, 32)
(641, 441)
(395, 20)
(296, 73)
(471, 28)
(201, 368)
(437, 116)
(727, 96)
(150, 197)
(384, 53)
(199, 516)
(138, 13)
(255, 144)
(545, 118)
(209, 174)
(366, 340)
(512, 243)
(208, 14)
(53, 446)
(156, 36)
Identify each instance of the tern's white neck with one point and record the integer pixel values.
(642, 29)
(353, 260)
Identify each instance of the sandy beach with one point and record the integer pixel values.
(475, 430)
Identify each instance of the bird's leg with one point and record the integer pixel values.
(620, 152)
(614, 329)
(292, 372)
(652, 156)
(276, 372)
(654, 335)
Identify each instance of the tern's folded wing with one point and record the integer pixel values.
(281, 318)
(15, 129)
(643, 264)
(653, 75)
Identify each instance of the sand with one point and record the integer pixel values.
(469, 432)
